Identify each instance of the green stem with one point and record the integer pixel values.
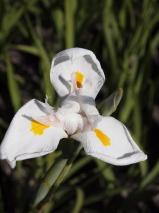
(56, 174)
(48, 180)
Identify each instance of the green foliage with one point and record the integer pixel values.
(13, 86)
(124, 36)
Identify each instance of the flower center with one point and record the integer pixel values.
(71, 122)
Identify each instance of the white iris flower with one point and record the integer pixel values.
(37, 128)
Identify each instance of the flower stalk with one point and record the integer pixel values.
(56, 174)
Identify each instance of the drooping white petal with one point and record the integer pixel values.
(26, 138)
(111, 142)
(76, 60)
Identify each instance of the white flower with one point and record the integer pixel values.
(37, 128)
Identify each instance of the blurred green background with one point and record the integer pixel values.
(124, 35)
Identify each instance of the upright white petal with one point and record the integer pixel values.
(75, 60)
(87, 103)
(70, 104)
(111, 142)
(26, 138)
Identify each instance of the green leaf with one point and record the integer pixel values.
(45, 62)
(70, 7)
(10, 20)
(79, 200)
(28, 49)
(13, 86)
(151, 176)
(49, 179)
(56, 173)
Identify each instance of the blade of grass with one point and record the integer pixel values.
(79, 200)
(28, 49)
(78, 165)
(13, 86)
(150, 177)
(9, 21)
(45, 63)
(70, 8)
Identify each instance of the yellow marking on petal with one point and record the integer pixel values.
(38, 128)
(102, 137)
(79, 79)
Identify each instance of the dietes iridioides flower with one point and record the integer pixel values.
(37, 128)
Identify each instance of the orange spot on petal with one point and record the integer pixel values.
(102, 137)
(79, 79)
(38, 128)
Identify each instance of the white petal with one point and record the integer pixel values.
(119, 150)
(71, 122)
(48, 120)
(24, 139)
(70, 104)
(73, 60)
(74, 87)
(88, 104)
(49, 109)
